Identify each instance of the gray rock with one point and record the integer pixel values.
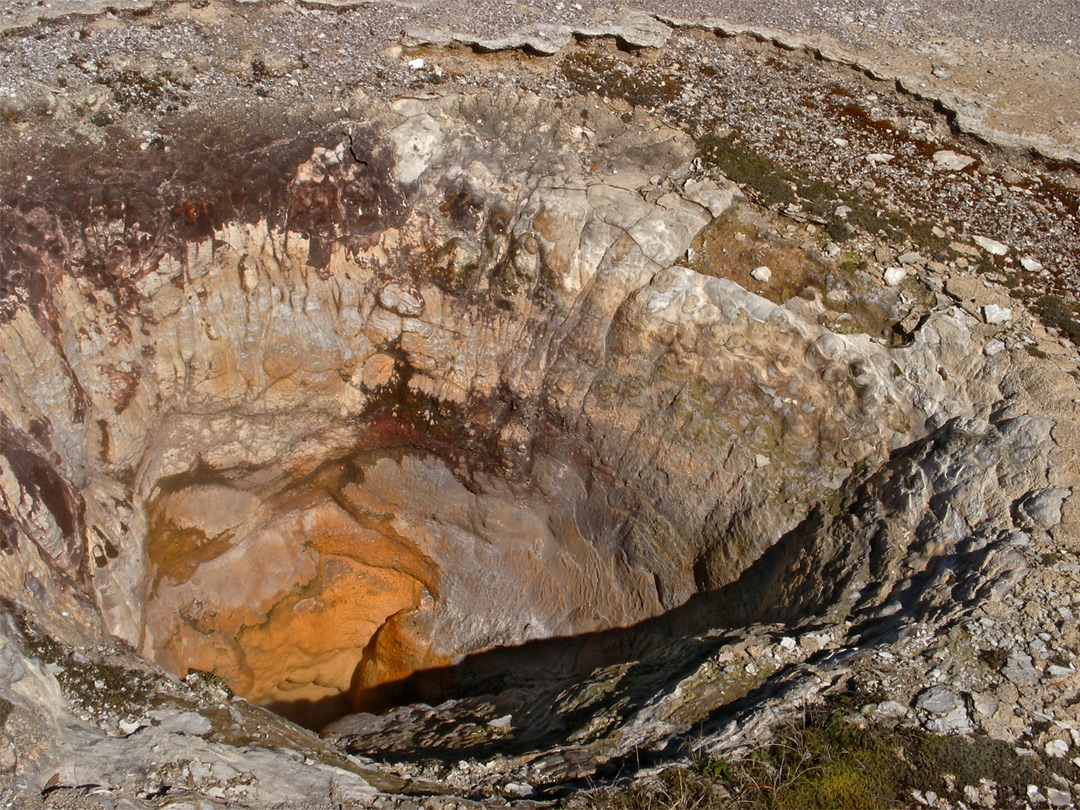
(1042, 509)
(1019, 670)
(938, 700)
(1058, 797)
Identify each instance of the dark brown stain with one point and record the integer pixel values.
(31, 464)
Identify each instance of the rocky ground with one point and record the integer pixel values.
(589, 397)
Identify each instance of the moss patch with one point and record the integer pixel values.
(730, 249)
(828, 761)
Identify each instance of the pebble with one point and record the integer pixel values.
(1058, 798)
(993, 348)
(895, 275)
(995, 314)
(952, 161)
(878, 158)
(762, 274)
(1031, 264)
(1057, 749)
(991, 246)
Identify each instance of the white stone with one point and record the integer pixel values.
(952, 161)
(895, 275)
(1058, 798)
(991, 245)
(879, 157)
(788, 643)
(760, 460)
(891, 708)
(416, 64)
(417, 143)
(996, 315)
(762, 274)
(993, 348)
(1057, 748)
(129, 726)
(1031, 264)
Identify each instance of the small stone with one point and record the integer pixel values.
(995, 314)
(1031, 264)
(952, 161)
(1042, 508)
(941, 73)
(991, 245)
(1057, 797)
(1034, 796)
(877, 158)
(938, 700)
(788, 643)
(891, 708)
(760, 460)
(993, 348)
(416, 64)
(841, 142)
(519, 789)
(1019, 670)
(911, 258)
(894, 276)
(1057, 749)
(762, 274)
(502, 722)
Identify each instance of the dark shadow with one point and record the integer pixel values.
(774, 589)
(312, 714)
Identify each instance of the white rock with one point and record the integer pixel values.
(895, 275)
(788, 643)
(991, 245)
(891, 708)
(952, 161)
(129, 726)
(417, 143)
(416, 64)
(762, 274)
(841, 142)
(879, 157)
(993, 348)
(1057, 748)
(1058, 798)
(501, 722)
(519, 789)
(995, 314)
(760, 460)
(1031, 264)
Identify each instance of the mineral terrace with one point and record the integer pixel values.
(412, 407)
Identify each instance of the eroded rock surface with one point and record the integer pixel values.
(481, 398)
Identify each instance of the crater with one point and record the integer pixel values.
(491, 401)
